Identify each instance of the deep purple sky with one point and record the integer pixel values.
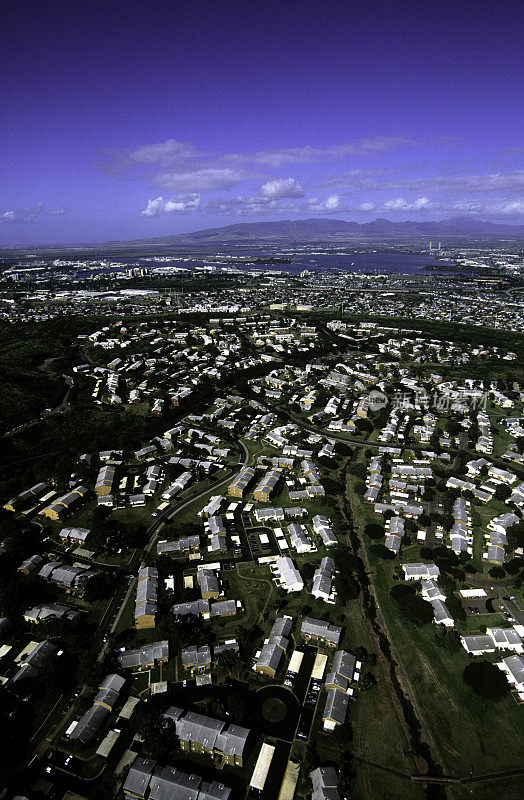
(126, 118)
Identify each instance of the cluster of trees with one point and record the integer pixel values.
(374, 531)
(110, 534)
(447, 640)
(381, 551)
(348, 567)
(411, 604)
(26, 390)
(486, 680)
(19, 592)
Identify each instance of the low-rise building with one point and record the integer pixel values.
(274, 647)
(267, 486)
(66, 504)
(325, 783)
(324, 580)
(198, 733)
(145, 657)
(146, 597)
(287, 574)
(320, 632)
(238, 487)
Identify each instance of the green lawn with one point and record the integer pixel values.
(273, 710)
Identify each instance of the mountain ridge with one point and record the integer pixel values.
(316, 228)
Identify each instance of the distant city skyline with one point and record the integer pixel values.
(129, 120)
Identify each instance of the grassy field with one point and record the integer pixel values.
(273, 710)
(372, 710)
(467, 730)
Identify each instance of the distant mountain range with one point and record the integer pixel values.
(303, 231)
(315, 229)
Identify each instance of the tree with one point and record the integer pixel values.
(455, 608)
(513, 567)
(374, 531)
(246, 641)
(62, 470)
(228, 662)
(486, 680)
(157, 738)
(381, 551)
(88, 669)
(347, 565)
(366, 682)
(347, 588)
(345, 560)
(308, 571)
(358, 470)
(447, 640)
(56, 672)
(99, 586)
(412, 606)
(497, 572)
(502, 492)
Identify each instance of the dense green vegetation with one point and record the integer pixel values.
(486, 680)
(26, 388)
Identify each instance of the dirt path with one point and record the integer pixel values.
(45, 366)
(258, 580)
(440, 688)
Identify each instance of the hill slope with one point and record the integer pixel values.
(316, 229)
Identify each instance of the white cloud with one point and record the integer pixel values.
(308, 154)
(154, 208)
(330, 205)
(200, 180)
(281, 188)
(274, 196)
(498, 207)
(332, 202)
(30, 214)
(56, 212)
(12, 216)
(258, 205)
(400, 204)
(488, 182)
(512, 208)
(167, 152)
(445, 186)
(188, 202)
(253, 205)
(181, 166)
(178, 204)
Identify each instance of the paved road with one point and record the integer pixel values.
(170, 512)
(344, 439)
(503, 589)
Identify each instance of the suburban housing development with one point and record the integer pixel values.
(271, 543)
